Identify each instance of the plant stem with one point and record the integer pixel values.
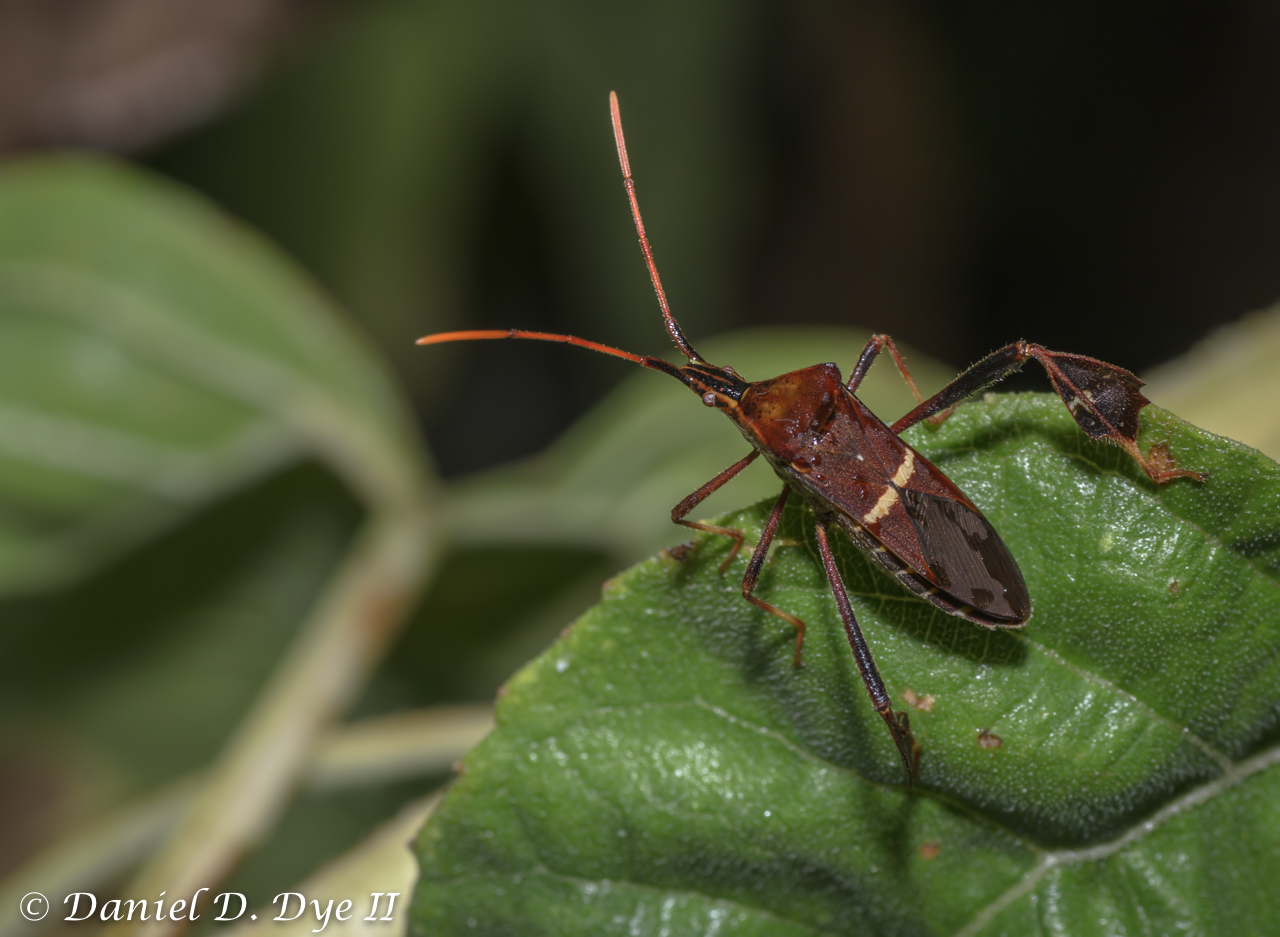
(249, 784)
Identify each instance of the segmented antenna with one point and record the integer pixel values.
(672, 326)
(471, 335)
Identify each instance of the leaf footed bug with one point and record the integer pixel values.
(854, 471)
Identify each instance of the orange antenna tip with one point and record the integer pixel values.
(673, 328)
(469, 335)
(615, 115)
(474, 334)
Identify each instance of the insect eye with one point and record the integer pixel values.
(709, 399)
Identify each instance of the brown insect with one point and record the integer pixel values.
(857, 473)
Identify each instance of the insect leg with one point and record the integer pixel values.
(899, 725)
(757, 563)
(1105, 400)
(688, 504)
(869, 353)
(1102, 398)
(980, 376)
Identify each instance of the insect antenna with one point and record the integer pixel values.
(672, 326)
(645, 361)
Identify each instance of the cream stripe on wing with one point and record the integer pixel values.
(887, 500)
(890, 497)
(905, 470)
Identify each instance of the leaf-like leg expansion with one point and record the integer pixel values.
(869, 353)
(757, 563)
(898, 723)
(1158, 463)
(1102, 398)
(688, 504)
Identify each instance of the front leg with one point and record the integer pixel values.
(1103, 399)
(688, 504)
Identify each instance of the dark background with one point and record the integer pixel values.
(1097, 177)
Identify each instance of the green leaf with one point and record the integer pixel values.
(153, 358)
(663, 769)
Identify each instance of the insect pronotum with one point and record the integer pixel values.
(857, 473)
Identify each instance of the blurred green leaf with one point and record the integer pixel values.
(1229, 383)
(188, 436)
(611, 481)
(664, 769)
(154, 357)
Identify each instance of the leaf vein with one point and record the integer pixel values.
(1236, 774)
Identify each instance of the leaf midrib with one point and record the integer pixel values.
(1235, 774)
(1232, 777)
(132, 460)
(362, 446)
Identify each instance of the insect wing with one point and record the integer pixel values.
(968, 559)
(911, 508)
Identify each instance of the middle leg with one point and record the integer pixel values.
(899, 725)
